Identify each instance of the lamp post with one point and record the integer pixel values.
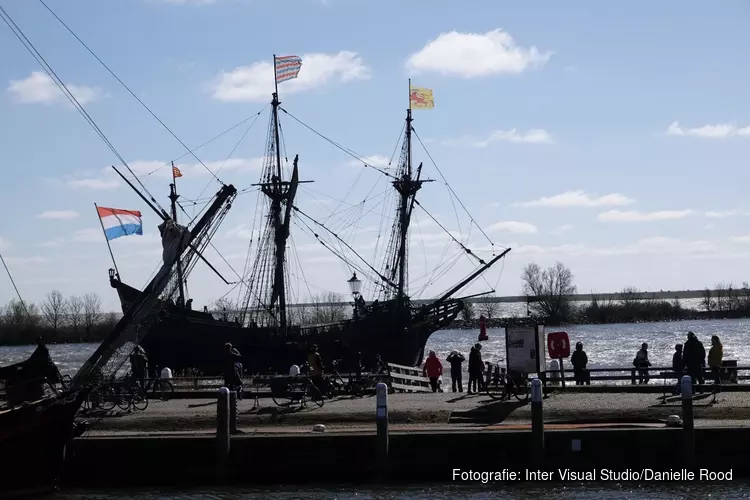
(355, 285)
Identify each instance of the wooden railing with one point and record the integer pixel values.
(407, 379)
(729, 372)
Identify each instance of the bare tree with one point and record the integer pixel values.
(724, 294)
(467, 313)
(224, 306)
(92, 310)
(18, 313)
(75, 312)
(488, 309)
(550, 289)
(327, 308)
(53, 309)
(707, 301)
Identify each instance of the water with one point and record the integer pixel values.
(607, 346)
(448, 491)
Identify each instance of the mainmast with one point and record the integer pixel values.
(269, 271)
(173, 196)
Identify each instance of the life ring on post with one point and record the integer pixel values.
(483, 328)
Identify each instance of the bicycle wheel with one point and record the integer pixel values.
(162, 389)
(106, 397)
(281, 394)
(139, 399)
(313, 394)
(521, 391)
(497, 391)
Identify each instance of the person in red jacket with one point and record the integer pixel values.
(433, 368)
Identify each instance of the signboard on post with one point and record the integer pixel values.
(558, 344)
(525, 349)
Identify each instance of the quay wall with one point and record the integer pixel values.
(329, 458)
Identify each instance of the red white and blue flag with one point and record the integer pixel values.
(118, 222)
(287, 67)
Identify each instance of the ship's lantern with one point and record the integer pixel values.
(355, 284)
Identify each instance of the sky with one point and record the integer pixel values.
(610, 136)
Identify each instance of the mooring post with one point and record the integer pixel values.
(232, 412)
(537, 422)
(688, 424)
(381, 417)
(222, 433)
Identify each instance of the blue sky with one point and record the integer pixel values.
(609, 136)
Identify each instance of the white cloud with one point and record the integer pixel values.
(162, 168)
(635, 216)
(532, 136)
(721, 214)
(255, 82)
(4, 243)
(578, 198)
(740, 239)
(51, 243)
(475, 54)
(655, 246)
(513, 226)
(95, 184)
(562, 229)
(711, 131)
(25, 261)
(379, 161)
(89, 235)
(58, 214)
(40, 88)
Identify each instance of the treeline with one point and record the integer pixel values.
(325, 308)
(549, 291)
(57, 319)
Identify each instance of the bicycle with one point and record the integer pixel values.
(336, 385)
(502, 386)
(130, 395)
(159, 388)
(299, 388)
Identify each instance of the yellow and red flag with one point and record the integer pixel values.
(176, 172)
(421, 98)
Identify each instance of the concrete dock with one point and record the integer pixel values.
(421, 409)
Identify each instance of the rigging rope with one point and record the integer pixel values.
(12, 282)
(130, 91)
(337, 145)
(217, 136)
(64, 89)
(450, 188)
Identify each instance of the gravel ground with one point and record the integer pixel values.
(425, 410)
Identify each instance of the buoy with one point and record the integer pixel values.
(483, 328)
(319, 428)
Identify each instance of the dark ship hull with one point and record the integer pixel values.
(183, 339)
(34, 433)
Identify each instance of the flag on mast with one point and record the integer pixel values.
(176, 172)
(117, 222)
(421, 98)
(287, 67)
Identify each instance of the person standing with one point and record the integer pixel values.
(315, 364)
(678, 366)
(456, 359)
(233, 369)
(579, 360)
(475, 369)
(715, 355)
(433, 369)
(694, 356)
(642, 363)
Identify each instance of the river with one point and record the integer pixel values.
(593, 491)
(607, 346)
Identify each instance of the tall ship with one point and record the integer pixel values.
(263, 326)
